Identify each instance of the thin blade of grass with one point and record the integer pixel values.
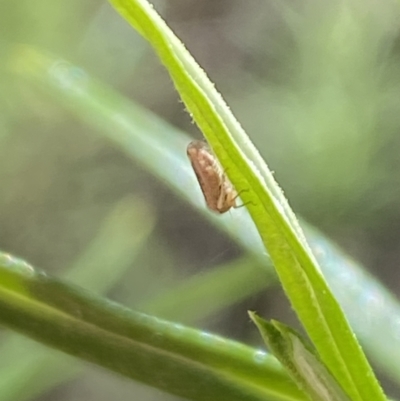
(300, 361)
(99, 268)
(183, 361)
(297, 268)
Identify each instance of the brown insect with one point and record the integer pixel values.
(218, 191)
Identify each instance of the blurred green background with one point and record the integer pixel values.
(316, 85)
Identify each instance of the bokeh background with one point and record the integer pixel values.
(316, 85)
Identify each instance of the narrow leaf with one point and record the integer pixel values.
(298, 270)
(300, 360)
(109, 255)
(183, 361)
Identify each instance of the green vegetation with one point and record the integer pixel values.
(336, 100)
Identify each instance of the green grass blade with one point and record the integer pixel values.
(183, 361)
(99, 268)
(298, 270)
(300, 360)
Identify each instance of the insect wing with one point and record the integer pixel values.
(218, 191)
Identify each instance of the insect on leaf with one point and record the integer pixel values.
(219, 193)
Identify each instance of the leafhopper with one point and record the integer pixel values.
(218, 191)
